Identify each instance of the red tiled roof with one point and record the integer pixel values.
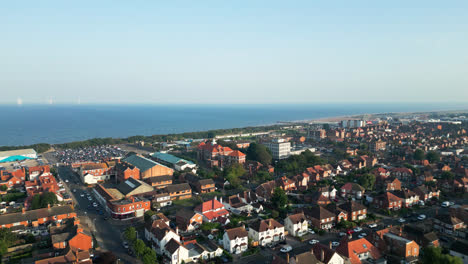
(210, 205)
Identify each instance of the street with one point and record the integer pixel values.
(107, 232)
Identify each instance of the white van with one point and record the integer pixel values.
(445, 204)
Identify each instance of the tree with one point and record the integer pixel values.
(434, 255)
(418, 154)
(367, 181)
(48, 198)
(7, 238)
(148, 215)
(279, 198)
(263, 176)
(259, 152)
(36, 202)
(130, 234)
(326, 126)
(432, 156)
(149, 256)
(211, 134)
(139, 247)
(233, 173)
(447, 175)
(3, 188)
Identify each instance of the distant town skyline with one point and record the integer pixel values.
(233, 52)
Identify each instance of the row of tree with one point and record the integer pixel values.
(43, 200)
(143, 252)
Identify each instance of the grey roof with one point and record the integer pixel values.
(169, 158)
(16, 152)
(143, 164)
(128, 185)
(33, 215)
(178, 187)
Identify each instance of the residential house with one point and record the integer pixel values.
(352, 190)
(264, 232)
(405, 249)
(355, 211)
(160, 182)
(179, 191)
(159, 234)
(409, 197)
(296, 224)
(445, 223)
(265, 190)
(212, 210)
(161, 199)
(286, 184)
(320, 217)
(388, 201)
(235, 205)
(358, 251)
(326, 254)
(176, 252)
(188, 220)
(307, 257)
(34, 218)
(426, 193)
(235, 240)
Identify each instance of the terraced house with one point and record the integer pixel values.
(34, 218)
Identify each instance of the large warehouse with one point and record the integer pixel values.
(17, 155)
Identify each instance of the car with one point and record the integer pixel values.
(74, 190)
(357, 229)
(362, 235)
(401, 220)
(342, 234)
(95, 204)
(335, 244)
(313, 241)
(445, 204)
(125, 245)
(421, 217)
(374, 225)
(311, 231)
(421, 203)
(82, 195)
(451, 203)
(286, 249)
(66, 180)
(350, 231)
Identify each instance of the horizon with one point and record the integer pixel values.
(239, 52)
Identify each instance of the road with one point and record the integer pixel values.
(106, 231)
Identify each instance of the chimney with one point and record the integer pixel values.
(79, 230)
(57, 224)
(48, 206)
(322, 254)
(287, 258)
(23, 210)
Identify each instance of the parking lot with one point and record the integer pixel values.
(94, 154)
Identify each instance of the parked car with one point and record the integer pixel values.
(311, 231)
(401, 220)
(362, 235)
(445, 204)
(374, 225)
(421, 217)
(313, 241)
(357, 229)
(125, 245)
(286, 249)
(335, 244)
(342, 234)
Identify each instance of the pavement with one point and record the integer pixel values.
(108, 233)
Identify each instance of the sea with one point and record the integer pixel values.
(30, 124)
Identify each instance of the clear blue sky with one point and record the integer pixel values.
(233, 51)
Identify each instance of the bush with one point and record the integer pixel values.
(321, 232)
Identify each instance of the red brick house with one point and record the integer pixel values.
(37, 217)
(388, 201)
